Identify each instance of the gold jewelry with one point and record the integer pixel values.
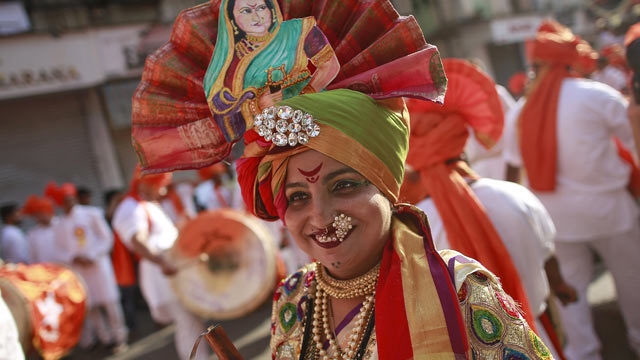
(347, 289)
(235, 28)
(322, 326)
(257, 39)
(342, 224)
(274, 18)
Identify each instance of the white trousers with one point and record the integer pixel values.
(188, 328)
(107, 322)
(621, 256)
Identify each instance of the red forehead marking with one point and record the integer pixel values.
(312, 176)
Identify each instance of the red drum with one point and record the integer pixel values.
(48, 303)
(228, 264)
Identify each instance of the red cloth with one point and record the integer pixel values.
(517, 83)
(58, 193)
(634, 178)
(124, 263)
(35, 204)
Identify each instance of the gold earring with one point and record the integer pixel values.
(235, 29)
(273, 16)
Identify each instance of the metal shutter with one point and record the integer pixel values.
(45, 138)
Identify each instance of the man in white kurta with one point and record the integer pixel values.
(146, 229)
(14, 247)
(85, 241)
(41, 238)
(526, 230)
(591, 206)
(489, 163)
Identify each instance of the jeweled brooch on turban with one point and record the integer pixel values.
(284, 126)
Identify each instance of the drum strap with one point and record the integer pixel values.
(221, 199)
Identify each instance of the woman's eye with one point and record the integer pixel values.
(297, 197)
(345, 186)
(245, 11)
(261, 8)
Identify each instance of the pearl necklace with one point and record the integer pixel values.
(347, 289)
(321, 323)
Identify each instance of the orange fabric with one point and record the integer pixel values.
(438, 136)
(56, 296)
(124, 264)
(156, 180)
(587, 61)
(35, 204)
(176, 202)
(210, 171)
(434, 139)
(517, 83)
(555, 49)
(632, 34)
(58, 193)
(615, 55)
(634, 178)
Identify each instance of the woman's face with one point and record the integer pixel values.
(319, 188)
(252, 16)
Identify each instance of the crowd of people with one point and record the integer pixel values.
(395, 246)
(121, 250)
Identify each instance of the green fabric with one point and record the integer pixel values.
(380, 130)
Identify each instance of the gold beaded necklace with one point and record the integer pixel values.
(321, 328)
(347, 289)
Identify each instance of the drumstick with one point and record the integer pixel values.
(221, 344)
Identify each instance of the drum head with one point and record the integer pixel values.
(19, 306)
(227, 264)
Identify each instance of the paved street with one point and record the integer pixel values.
(250, 334)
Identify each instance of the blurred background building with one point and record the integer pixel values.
(68, 69)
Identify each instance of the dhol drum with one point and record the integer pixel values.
(48, 303)
(228, 264)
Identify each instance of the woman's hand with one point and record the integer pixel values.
(269, 99)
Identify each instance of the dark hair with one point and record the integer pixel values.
(237, 37)
(83, 191)
(7, 210)
(110, 194)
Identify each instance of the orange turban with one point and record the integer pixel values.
(587, 61)
(517, 83)
(437, 138)
(36, 204)
(210, 171)
(556, 49)
(615, 55)
(58, 193)
(156, 180)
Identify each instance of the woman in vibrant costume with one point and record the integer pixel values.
(260, 59)
(379, 289)
(330, 165)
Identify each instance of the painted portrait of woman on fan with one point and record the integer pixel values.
(259, 59)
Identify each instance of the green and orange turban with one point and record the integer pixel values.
(367, 135)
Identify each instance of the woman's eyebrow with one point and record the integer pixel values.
(334, 174)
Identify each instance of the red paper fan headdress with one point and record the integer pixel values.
(187, 115)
